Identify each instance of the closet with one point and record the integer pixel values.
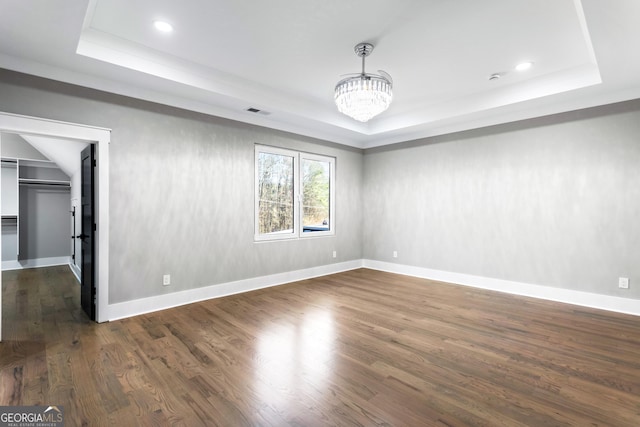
(35, 208)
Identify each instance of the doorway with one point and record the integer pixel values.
(99, 137)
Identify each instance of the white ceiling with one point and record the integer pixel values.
(285, 56)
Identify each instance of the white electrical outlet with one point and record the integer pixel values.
(166, 280)
(395, 254)
(335, 254)
(623, 282)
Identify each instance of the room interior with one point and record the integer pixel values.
(478, 175)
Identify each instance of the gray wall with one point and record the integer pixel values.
(45, 222)
(553, 201)
(181, 190)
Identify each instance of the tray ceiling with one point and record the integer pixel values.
(284, 58)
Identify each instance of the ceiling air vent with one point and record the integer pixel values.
(258, 111)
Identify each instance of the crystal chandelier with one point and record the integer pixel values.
(364, 95)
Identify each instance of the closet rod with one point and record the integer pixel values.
(61, 184)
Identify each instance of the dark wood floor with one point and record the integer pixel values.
(356, 348)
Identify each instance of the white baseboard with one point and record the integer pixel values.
(175, 299)
(11, 265)
(75, 270)
(170, 300)
(568, 296)
(34, 263)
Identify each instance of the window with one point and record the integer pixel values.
(295, 194)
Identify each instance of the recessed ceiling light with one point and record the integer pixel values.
(163, 26)
(524, 66)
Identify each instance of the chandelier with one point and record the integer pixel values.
(364, 95)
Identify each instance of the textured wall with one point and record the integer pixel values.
(182, 190)
(552, 201)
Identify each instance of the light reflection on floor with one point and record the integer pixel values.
(295, 359)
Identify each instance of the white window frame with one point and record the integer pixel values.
(298, 158)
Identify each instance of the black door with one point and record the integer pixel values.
(88, 286)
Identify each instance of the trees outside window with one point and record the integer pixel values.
(294, 194)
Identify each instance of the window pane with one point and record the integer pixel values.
(275, 193)
(316, 196)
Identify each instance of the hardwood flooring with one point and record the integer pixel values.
(360, 348)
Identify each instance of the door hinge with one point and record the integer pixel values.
(95, 227)
(95, 163)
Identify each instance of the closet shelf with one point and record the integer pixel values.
(52, 182)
